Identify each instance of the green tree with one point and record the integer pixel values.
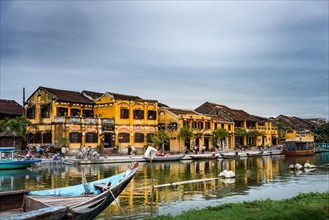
(220, 134)
(322, 133)
(253, 133)
(17, 126)
(185, 133)
(160, 138)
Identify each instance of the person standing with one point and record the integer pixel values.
(63, 151)
(129, 149)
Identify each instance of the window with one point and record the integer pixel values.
(194, 124)
(75, 112)
(87, 113)
(138, 114)
(62, 111)
(139, 137)
(161, 127)
(222, 125)
(91, 137)
(75, 137)
(200, 124)
(186, 124)
(124, 113)
(45, 111)
(152, 115)
(30, 113)
(172, 126)
(229, 127)
(46, 138)
(124, 138)
(37, 138)
(207, 125)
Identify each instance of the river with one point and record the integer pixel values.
(195, 183)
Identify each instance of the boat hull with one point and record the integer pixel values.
(230, 156)
(71, 202)
(164, 158)
(19, 164)
(297, 153)
(203, 156)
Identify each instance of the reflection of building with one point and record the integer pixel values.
(90, 118)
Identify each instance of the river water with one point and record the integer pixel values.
(194, 184)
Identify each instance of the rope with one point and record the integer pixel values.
(118, 204)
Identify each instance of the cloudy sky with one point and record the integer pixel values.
(265, 57)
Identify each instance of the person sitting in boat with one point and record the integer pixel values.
(29, 155)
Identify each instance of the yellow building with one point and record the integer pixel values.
(134, 119)
(171, 120)
(62, 115)
(90, 119)
(269, 132)
(247, 132)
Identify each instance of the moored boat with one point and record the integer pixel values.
(254, 154)
(298, 148)
(150, 155)
(83, 201)
(8, 162)
(230, 155)
(203, 156)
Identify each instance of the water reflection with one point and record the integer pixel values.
(179, 186)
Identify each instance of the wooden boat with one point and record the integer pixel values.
(7, 160)
(298, 148)
(230, 156)
(83, 201)
(150, 154)
(162, 158)
(203, 156)
(255, 154)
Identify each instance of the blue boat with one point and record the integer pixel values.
(7, 160)
(83, 201)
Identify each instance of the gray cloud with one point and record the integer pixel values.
(266, 57)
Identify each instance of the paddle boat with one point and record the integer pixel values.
(150, 154)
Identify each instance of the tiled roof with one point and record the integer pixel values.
(182, 111)
(10, 107)
(124, 97)
(94, 95)
(218, 118)
(66, 95)
(236, 114)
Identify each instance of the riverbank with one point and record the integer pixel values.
(305, 206)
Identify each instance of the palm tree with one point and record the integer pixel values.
(17, 126)
(219, 134)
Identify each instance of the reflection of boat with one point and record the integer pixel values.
(254, 154)
(7, 160)
(84, 201)
(203, 156)
(150, 155)
(230, 156)
(298, 148)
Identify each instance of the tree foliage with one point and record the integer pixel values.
(159, 138)
(322, 133)
(186, 133)
(218, 134)
(240, 132)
